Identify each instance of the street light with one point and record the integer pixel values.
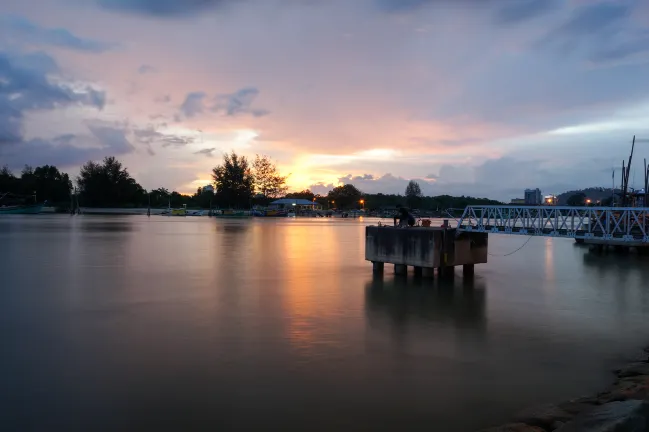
(362, 204)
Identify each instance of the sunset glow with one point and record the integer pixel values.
(391, 92)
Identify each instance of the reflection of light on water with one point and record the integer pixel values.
(301, 251)
(549, 260)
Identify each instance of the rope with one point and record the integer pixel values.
(514, 251)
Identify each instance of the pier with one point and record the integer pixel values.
(425, 249)
(444, 248)
(602, 226)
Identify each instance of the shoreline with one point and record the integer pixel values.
(622, 406)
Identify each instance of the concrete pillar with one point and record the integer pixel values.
(446, 271)
(400, 269)
(418, 271)
(377, 267)
(428, 272)
(468, 269)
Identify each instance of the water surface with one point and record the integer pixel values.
(136, 323)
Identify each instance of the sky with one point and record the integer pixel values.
(467, 97)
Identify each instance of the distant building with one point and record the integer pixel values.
(533, 197)
(208, 188)
(518, 201)
(550, 200)
(296, 204)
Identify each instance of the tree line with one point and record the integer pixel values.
(236, 183)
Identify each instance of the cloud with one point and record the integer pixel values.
(229, 104)
(621, 51)
(25, 86)
(349, 178)
(68, 150)
(193, 104)
(112, 138)
(23, 31)
(595, 17)
(163, 99)
(524, 10)
(238, 103)
(504, 11)
(145, 69)
(151, 135)
(209, 152)
(590, 27)
(162, 8)
(605, 31)
(350, 83)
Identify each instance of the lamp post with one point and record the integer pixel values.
(362, 204)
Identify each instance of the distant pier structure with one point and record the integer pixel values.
(619, 227)
(426, 249)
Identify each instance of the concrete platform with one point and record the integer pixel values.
(424, 248)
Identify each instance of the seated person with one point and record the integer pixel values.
(405, 218)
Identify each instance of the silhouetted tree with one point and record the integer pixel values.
(306, 194)
(203, 198)
(160, 197)
(234, 181)
(577, 199)
(8, 181)
(108, 184)
(413, 194)
(346, 196)
(47, 182)
(268, 181)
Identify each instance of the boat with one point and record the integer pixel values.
(269, 212)
(17, 208)
(22, 209)
(232, 214)
(175, 211)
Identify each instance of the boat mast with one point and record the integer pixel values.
(625, 179)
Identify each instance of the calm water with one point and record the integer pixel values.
(131, 323)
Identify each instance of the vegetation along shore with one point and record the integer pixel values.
(236, 183)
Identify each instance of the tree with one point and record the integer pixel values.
(108, 185)
(268, 181)
(47, 182)
(576, 199)
(413, 194)
(203, 198)
(306, 194)
(159, 197)
(8, 182)
(345, 196)
(234, 181)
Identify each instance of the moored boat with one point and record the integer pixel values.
(260, 212)
(175, 211)
(233, 214)
(15, 204)
(21, 209)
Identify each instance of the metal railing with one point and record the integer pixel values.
(605, 223)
